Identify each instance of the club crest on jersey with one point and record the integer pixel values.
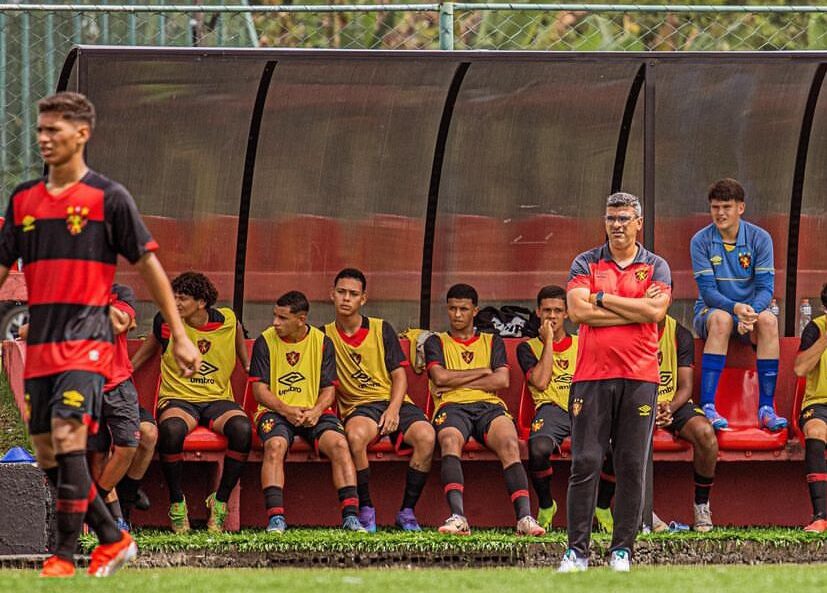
(204, 346)
(642, 274)
(808, 413)
(563, 363)
(356, 357)
(745, 259)
(292, 358)
(76, 218)
(467, 356)
(28, 223)
(576, 406)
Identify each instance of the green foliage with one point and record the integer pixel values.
(13, 431)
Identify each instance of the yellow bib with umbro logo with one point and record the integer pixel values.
(295, 368)
(815, 391)
(668, 361)
(559, 387)
(461, 356)
(216, 342)
(363, 375)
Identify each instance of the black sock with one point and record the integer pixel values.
(453, 483)
(540, 449)
(127, 490)
(702, 487)
(100, 519)
(414, 483)
(115, 509)
(348, 501)
(517, 483)
(171, 435)
(541, 480)
(173, 468)
(816, 476)
(233, 466)
(274, 500)
(606, 490)
(52, 475)
(363, 487)
(72, 501)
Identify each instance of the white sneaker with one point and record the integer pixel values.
(571, 563)
(620, 561)
(703, 518)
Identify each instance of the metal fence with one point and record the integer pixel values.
(35, 38)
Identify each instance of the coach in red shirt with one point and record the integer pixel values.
(618, 293)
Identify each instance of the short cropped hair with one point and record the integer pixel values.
(196, 285)
(353, 274)
(295, 301)
(463, 291)
(71, 106)
(623, 200)
(824, 296)
(551, 291)
(726, 189)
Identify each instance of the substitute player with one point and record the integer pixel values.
(69, 228)
(205, 399)
(294, 377)
(372, 398)
(467, 369)
(732, 261)
(811, 362)
(614, 389)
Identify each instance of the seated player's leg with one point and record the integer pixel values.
(361, 429)
(768, 346)
(176, 419)
(129, 486)
(277, 435)
(76, 403)
(453, 428)
(716, 327)
(502, 439)
(417, 433)
(232, 422)
(814, 425)
(691, 424)
(330, 436)
(548, 429)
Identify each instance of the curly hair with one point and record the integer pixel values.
(196, 285)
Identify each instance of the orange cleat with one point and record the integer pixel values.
(56, 567)
(108, 558)
(817, 526)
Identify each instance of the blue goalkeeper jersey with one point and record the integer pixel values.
(730, 274)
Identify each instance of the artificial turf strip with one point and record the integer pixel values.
(489, 541)
(759, 579)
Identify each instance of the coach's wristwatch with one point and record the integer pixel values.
(598, 299)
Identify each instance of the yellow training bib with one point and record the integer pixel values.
(460, 356)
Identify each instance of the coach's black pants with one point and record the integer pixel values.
(623, 412)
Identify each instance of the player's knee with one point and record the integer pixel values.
(767, 325)
(274, 450)
(450, 442)
(539, 450)
(815, 429)
(720, 323)
(357, 439)
(149, 436)
(706, 439)
(423, 437)
(338, 449)
(239, 434)
(171, 435)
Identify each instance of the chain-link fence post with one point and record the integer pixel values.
(446, 25)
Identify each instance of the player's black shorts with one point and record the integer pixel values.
(552, 421)
(145, 415)
(205, 413)
(119, 419)
(472, 420)
(71, 394)
(408, 414)
(271, 424)
(683, 415)
(812, 412)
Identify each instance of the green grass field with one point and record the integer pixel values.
(758, 579)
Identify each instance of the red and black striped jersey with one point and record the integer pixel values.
(69, 244)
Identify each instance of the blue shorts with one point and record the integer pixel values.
(699, 325)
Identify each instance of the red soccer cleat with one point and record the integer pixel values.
(108, 558)
(817, 526)
(55, 567)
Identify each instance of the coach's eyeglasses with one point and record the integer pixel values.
(622, 220)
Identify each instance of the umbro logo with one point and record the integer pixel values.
(291, 378)
(206, 368)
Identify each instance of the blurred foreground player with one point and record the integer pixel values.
(69, 228)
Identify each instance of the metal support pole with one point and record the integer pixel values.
(446, 25)
(50, 53)
(4, 163)
(25, 91)
(649, 158)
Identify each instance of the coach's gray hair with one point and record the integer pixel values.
(622, 199)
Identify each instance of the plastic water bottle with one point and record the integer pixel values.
(774, 308)
(805, 315)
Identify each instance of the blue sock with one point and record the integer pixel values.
(767, 376)
(711, 367)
